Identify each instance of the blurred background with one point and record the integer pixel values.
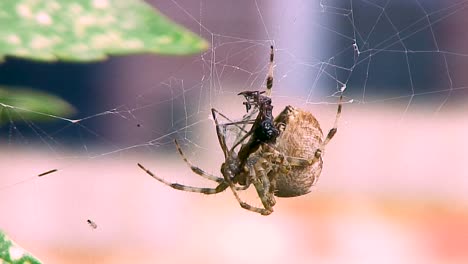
(394, 183)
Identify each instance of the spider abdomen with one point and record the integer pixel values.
(300, 139)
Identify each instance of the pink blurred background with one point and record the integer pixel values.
(395, 193)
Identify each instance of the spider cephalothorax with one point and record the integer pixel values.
(280, 156)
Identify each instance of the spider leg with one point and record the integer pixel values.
(284, 163)
(278, 158)
(243, 122)
(201, 172)
(242, 203)
(227, 180)
(221, 187)
(196, 169)
(300, 162)
(220, 133)
(332, 131)
(272, 179)
(240, 139)
(221, 130)
(263, 185)
(269, 86)
(269, 80)
(249, 207)
(259, 186)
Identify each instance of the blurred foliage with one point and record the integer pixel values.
(11, 253)
(87, 30)
(80, 31)
(17, 104)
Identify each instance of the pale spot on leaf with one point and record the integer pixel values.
(22, 52)
(41, 42)
(16, 253)
(104, 27)
(133, 44)
(86, 20)
(100, 3)
(76, 8)
(106, 40)
(13, 39)
(53, 6)
(107, 20)
(43, 18)
(163, 40)
(83, 23)
(79, 48)
(129, 24)
(24, 11)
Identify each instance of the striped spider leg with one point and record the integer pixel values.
(238, 170)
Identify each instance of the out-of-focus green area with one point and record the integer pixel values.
(84, 30)
(11, 253)
(80, 31)
(20, 104)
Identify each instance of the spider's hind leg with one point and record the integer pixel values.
(221, 187)
(201, 172)
(261, 186)
(196, 169)
(264, 185)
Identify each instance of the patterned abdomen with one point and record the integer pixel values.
(301, 138)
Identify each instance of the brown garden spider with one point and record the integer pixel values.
(280, 156)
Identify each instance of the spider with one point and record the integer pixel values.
(280, 156)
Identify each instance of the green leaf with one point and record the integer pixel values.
(13, 254)
(19, 104)
(87, 30)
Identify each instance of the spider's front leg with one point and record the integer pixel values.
(229, 176)
(231, 167)
(264, 185)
